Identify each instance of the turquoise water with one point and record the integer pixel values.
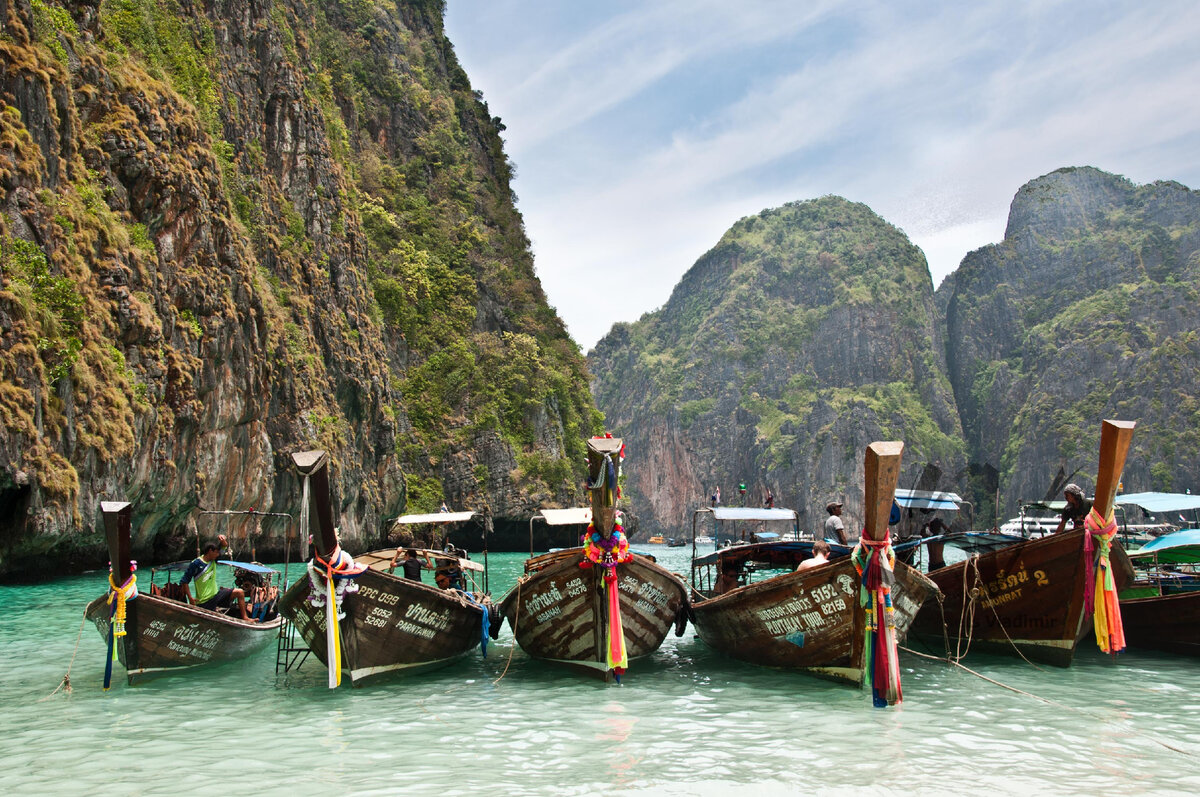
(686, 721)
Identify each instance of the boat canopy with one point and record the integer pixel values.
(750, 513)
(253, 567)
(789, 551)
(1156, 503)
(1176, 548)
(435, 517)
(575, 516)
(923, 499)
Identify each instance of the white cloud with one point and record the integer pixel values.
(932, 116)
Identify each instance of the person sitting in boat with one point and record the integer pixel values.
(835, 529)
(1077, 508)
(411, 564)
(730, 578)
(203, 570)
(820, 556)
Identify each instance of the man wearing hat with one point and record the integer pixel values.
(835, 529)
(1077, 508)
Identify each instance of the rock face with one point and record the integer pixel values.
(1086, 310)
(807, 332)
(234, 229)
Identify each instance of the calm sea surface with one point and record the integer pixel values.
(686, 721)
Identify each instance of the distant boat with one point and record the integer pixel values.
(559, 609)
(677, 542)
(657, 539)
(390, 624)
(163, 632)
(1161, 609)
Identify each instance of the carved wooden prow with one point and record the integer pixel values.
(117, 525)
(604, 497)
(314, 466)
(1114, 445)
(882, 470)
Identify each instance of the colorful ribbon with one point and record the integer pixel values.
(339, 566)
(875, 562)
(608, 553)
(1100, 594)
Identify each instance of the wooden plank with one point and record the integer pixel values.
(1114, 446)
(881, 467)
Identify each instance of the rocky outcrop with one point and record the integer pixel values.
(806, 333)
(235, 229)
(1086, 310)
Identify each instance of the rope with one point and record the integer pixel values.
(520, 583)
(1045, 700)
(65, 684)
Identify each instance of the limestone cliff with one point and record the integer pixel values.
(807, 332)
(1086, 310)
(237, 228)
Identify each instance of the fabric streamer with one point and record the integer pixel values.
(118, 597)
(608, 553)
(875, 562)
(330, 581)
(1100, 594)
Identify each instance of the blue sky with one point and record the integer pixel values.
(641, 131)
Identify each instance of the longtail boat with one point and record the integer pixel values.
(811, 620)
(1030, 596)
(595, 608)
(158, 630)
(1161, 609)
(374, 621)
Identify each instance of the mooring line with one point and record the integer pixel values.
(1046, 700)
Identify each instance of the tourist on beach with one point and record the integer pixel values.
(1077, 508)
(769, 501)
(835, 529)
(203, 570)
(820, 556)
(715, 498)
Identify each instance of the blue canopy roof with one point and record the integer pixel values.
(1172, 540)
(923, 499)
(251, 566)
(1161, 502)
(750, 513)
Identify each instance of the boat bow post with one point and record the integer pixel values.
(122, 583)
(1100, 528)
(875, 562)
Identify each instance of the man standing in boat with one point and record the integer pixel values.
(835, 529)
(203, 570)
(1077, 508)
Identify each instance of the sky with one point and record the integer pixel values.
(641, 131)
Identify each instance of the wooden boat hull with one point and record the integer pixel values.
(164, 634)
(392, 624)
(1028, 596)
(1164, 622)
(808, 620)
(557, 612)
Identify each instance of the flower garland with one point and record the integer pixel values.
(118, 597)
(608, 553)
(1100, 594)
(875, 562)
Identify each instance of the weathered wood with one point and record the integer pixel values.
(1028, 597)
(314, 466)
(556, 610)
(1164, 622)
(881, 468)
(164, 634)
(392, 624)
(1114, 446)
(808, 620)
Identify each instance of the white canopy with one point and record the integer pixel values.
(752, 513)
(576, 516)
(436, 517)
